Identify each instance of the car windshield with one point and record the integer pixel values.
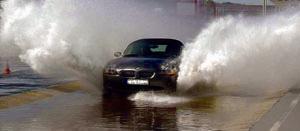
(157, 48)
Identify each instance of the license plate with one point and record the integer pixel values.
(137, 82)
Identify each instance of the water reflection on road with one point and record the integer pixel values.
(82, 111)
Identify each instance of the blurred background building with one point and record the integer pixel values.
(281, 4)
(206, 9)
(213, 8)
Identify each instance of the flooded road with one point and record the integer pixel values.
(23, 78)
(27, 103)
(80, 110)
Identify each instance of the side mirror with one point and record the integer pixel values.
(117, 54)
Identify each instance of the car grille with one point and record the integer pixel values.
(138, 74)
(127, 73)
(146, 74)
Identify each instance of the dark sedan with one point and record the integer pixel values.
(146, 64)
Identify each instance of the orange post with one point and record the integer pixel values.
(6, 70)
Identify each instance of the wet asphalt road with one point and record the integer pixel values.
(81, 110)
(69, 110)
(284, 116)
(23, 78)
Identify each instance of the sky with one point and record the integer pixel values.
(248, 2)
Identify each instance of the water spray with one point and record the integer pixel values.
(76, 37)
(252, 53)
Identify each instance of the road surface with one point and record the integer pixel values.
(68, 107)
(284, 116)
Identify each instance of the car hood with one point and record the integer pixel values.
(136, 62)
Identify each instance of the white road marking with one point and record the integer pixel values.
(292, 106)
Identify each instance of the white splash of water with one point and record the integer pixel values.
(78, 37)
(158, 98)
(248, 52)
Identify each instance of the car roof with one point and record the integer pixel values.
(167, 40)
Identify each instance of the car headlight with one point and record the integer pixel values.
(110, 70)
(167, 70)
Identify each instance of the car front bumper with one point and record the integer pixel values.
(119, 83)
